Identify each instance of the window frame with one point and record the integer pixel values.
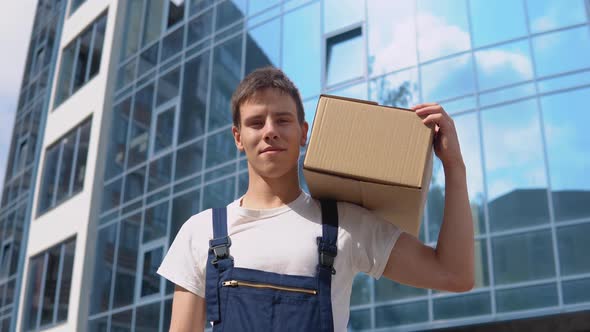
(325, 50)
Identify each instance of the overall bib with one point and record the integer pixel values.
(240, 299)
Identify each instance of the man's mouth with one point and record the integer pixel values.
(272, 150)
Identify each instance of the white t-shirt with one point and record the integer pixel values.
(283, 240)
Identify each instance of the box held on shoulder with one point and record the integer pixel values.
(375, 156)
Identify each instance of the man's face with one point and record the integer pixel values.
(270, 133)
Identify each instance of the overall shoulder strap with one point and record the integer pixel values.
(327, 250)
(218, 260)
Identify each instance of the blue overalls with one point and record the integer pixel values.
(240, 299)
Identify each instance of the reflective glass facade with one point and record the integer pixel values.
(515, 75)
(23, 158)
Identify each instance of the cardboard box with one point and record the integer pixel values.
(375, 156)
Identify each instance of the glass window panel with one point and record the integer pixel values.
(227, 62)
(218, 194)
(526, 298)
(568, 152)
(134, 184)
(564, 82)
(387, 290)
(82, 156)
(194, 98)
(150, 281)
(49, 180)
(401, 314)
(200, 27)
(148, 60)
(65, 170)
(548, 15)
(140, 126)
(66, 280)
(220, 172)
(183, 207)
(344, 56)
(391, 33)
(103, 269)
(175, 12)
(447, 78)
(443, 28)
(572, 242)
(558, 45)
(97, 46)
(462, 306)
(361, 290)
(51, 274)
(360, 319)
(160, 172)
(111, 197)
(255, 6)
(502, 65)
(576, 291)
(127, 261)
(126, 74)
(302, 49)
(243, 183)
(75, 4)
(164, 129)
(167, 313)
(82, 58)
(507, 94)
(168, 86)
(65, 73)
(198, 5)
(132, 29)
(35, 277)
(147, 318)
(263, 46)
(399, 89)
(155, 222)
(189, 160)
(220, 148)
(484, 19)
(228, 12)
(523, 257)
(121, 322)
(98, 324)
(516, 184)
(152, 26)
(341, 13)
(172, 44)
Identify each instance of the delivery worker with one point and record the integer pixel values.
(277, 259)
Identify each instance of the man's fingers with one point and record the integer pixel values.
(430, 110)
(436, 119)
(422, 105)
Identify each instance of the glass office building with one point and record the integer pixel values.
(132, 128)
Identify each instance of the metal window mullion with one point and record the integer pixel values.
(139, 260)
(56, 176)
(74, 67)
(58, 285)
(556, 260)
(74, 160)
(115, 262)
(42, 291)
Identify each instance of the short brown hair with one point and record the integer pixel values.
(260, 79)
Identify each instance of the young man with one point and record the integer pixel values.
(273, 228)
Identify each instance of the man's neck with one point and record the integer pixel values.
(265, 193)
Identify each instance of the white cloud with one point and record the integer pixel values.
(492, 61)
(438, 38)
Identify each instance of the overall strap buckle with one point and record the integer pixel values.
(327, 254)
(220, 247)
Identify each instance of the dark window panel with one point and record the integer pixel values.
(97, 46)
(103, 269)
(127, 261)
(401, 314)
(172, 44)
(111, 197)
(82, 57)
(51, 275)
(218, 194)
(228, 12)
(66, 281)
(82, 155)
(121, 322)
(175, 12)
(118, 142)
(64, 173)
(132, 28)
(576, 291)
(160, 172)
(147, 318)
(462, 306)
(140, 126)
(360, 319)
(65, 73)
(220, 148)
(98, 324)
(523, 298)
(34, 285)
(150, 281)
(573, 245)
(194, 98)
(200, 27)
(155, 222)
(48, 179)
(152, 26)
(75, 4)
(386, 290)
(134, 184)
(168, 86)
(148, 59)
(198, 5)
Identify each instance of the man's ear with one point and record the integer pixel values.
(304, 129)
(237, 138)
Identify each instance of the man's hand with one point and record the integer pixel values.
(446, 142)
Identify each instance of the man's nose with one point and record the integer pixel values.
(270, 131)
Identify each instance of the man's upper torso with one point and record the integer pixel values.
(283, 240)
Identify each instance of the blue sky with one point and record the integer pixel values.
(17, 19)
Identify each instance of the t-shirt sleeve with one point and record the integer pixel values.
(372, 239)
(183, 263)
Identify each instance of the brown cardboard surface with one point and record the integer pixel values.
(375, 156)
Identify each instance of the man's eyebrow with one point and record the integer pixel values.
(284, 113)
